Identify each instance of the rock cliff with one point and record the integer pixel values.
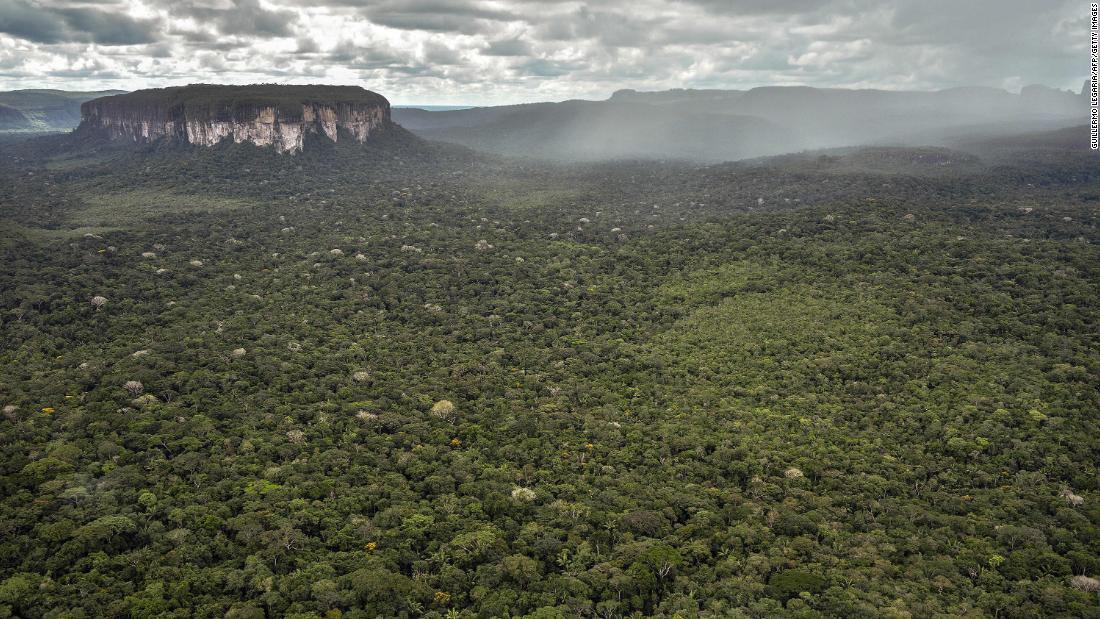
(265, 115)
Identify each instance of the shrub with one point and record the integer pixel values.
(790, 583)
(145, 401)
(644, 522)
(793, 525)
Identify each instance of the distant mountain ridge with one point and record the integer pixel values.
(589, 131)
(704, 125)
(734, 124)
(44, 109)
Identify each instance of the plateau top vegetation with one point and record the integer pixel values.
(214, 101)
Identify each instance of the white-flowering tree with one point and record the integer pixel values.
(1073, 498)
(523, 495)
(445, 410)
(1085, 583)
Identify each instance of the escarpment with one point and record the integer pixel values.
(266, 115)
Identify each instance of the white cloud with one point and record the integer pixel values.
(497, 51)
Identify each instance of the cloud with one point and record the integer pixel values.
(108, 28)
(508, 47)
(43, 24)
(439, 54)
(239, 18)
(495, 51)
(307, 45)
(436, 15)
(762, 7)
(25, 21)
(539, 67)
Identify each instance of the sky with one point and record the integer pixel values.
(489, 52)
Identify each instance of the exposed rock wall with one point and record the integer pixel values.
(277, 116)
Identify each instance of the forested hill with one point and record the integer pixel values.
(721, 125)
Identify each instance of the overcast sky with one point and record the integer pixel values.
(504, 51)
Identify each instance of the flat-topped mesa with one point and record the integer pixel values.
(265, 114)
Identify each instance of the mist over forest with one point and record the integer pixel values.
(717, 125)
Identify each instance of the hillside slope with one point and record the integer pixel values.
(12, 119)
(48, 110)
(723, 125)
(586, 130)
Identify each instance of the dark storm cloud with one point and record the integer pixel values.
(435, 15)
(431, 23)
(240, 18)
(508, 47)
(25, 21)
(610, 27)
(440, 16)
(109, 28)
(544, 49)
(367, 58)
(43, 24)
(763, 7)
(472, 10)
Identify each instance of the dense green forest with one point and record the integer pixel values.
(402, 380)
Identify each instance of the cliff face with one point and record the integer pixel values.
(275, 116)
